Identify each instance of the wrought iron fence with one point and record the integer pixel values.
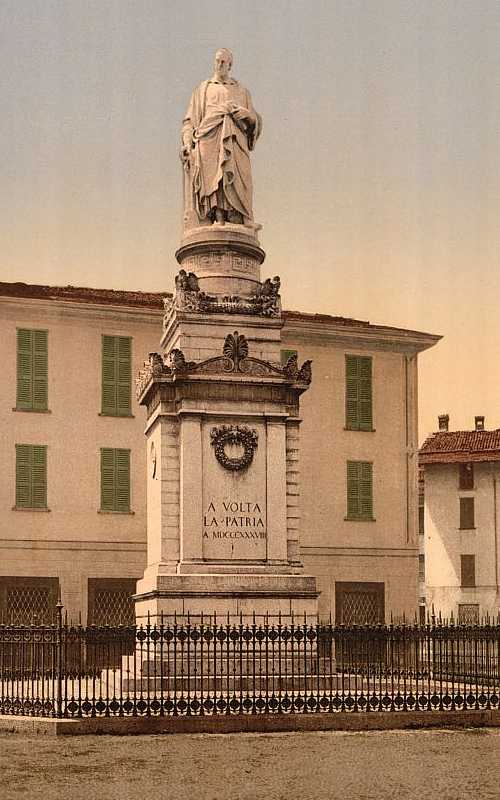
(257, 666)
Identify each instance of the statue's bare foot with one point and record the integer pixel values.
(235, 217)
(219, 216)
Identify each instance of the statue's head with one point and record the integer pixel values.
(223, 62)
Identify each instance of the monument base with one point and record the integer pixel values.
(234, 596)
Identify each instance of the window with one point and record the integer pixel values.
(116, 376)
(467, 513)
(421, 567)
(110, 601)
(421, 520)
(115, 480)
(359, 603)
(32, 370)
(465, 476)
(358, 393)
(468, 614)
(467, 571)
(286, 354)
(360, 490)
(31, 476)
(27, 601)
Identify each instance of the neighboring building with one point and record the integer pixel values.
(73, 460)
(421, 546)
(462, 558)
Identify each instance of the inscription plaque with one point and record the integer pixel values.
(234, 512)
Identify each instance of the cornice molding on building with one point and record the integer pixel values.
(305, 327)
(77, 544)
(57, 309)
(379, 552)
(362, 336)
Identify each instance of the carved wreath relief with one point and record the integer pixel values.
(234, 435)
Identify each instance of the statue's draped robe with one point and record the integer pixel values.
(219, 162)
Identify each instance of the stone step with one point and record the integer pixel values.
(224, 665)
(240, 683)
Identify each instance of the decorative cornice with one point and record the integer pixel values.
(188, 297)
(235, 360)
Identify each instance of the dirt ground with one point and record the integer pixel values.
(447, 765)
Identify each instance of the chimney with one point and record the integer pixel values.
(479, 423)
(443, 421)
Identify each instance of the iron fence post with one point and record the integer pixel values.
(59, 660)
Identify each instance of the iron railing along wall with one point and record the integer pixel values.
(269, 665)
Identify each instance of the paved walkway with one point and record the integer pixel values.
(405, 765)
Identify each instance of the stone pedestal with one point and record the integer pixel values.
(223, 442)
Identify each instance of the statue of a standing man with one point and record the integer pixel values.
(220, 128)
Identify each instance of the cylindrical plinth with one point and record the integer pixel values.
(225, 258)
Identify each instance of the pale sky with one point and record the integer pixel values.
(377, 177)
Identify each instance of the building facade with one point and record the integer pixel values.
(73, 491)
(462, 559)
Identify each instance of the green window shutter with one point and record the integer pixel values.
(366, 489)
(24, 369)
(31, 476)
(467, 513)
(39, 477)
(359, 490)
(109, 376)
(352, 490)
(107, 479)
(24, 463)
(116, 375)
(122, 480)
(365, 394)
(115, 479)
(467, 570)
(124, 377)
(359, 414)
(32, 369)
(40, 370)
(286, 354)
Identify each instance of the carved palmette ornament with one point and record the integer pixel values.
(235, 349)
(234, 435)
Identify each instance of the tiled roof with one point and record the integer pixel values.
(448, 447)
(301, 315)
(348, 322)
(82, 294)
